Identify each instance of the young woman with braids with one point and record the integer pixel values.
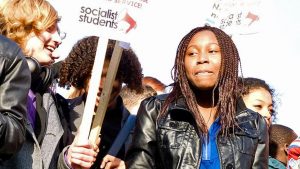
(203, 122)
(76, 71)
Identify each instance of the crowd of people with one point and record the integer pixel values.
(210, 117)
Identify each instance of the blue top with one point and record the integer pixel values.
(210, 156)
(273, 163)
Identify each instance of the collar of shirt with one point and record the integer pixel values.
(274, 163)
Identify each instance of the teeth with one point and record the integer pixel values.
(200, 73)
(50, 49)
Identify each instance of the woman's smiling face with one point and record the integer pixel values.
(203, 60)
(42, 46)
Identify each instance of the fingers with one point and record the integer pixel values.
(106, 160)
(82, 157)
(96, 148)
(82, 154)
(111, 162)
(76, 163)
(108, 165)
(115, 165)
(82, 151)
(121, 165)
(98, 141)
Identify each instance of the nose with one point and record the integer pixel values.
(202, 58)
(267, 115)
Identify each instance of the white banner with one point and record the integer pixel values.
(235, 17)
(113, 19)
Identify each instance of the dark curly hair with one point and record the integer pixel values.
(249, 83)
(77, 67)
(224, 90)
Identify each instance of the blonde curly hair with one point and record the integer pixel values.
(20, 18)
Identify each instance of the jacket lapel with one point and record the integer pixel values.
(41, 119)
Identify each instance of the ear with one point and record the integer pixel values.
(286, 146)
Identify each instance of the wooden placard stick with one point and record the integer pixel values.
(105, 94)
(88, 114)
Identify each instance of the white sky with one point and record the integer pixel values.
(272, 54)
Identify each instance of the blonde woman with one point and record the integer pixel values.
(33, 25)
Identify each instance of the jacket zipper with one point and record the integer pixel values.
(216, 140)
(200, 150)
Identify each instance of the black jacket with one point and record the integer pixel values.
(112, 124)
(174, 143)
(15, 82)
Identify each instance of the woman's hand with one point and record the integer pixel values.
(111, 162)
(82, 155)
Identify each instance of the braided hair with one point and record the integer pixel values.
(224, 88)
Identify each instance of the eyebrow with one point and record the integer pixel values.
(195, 45)
(214, 43)
(263, 101)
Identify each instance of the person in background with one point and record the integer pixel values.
(14, 86)
(32, 24)
(202, 122)
(294, 154)
(76, 72)
(156, 84)
(280, 138)
(132, 99)
(259, 97)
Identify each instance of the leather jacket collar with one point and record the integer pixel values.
(180, 103)
(243, 115)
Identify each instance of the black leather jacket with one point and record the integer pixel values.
(15, 82)
(174, 143)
